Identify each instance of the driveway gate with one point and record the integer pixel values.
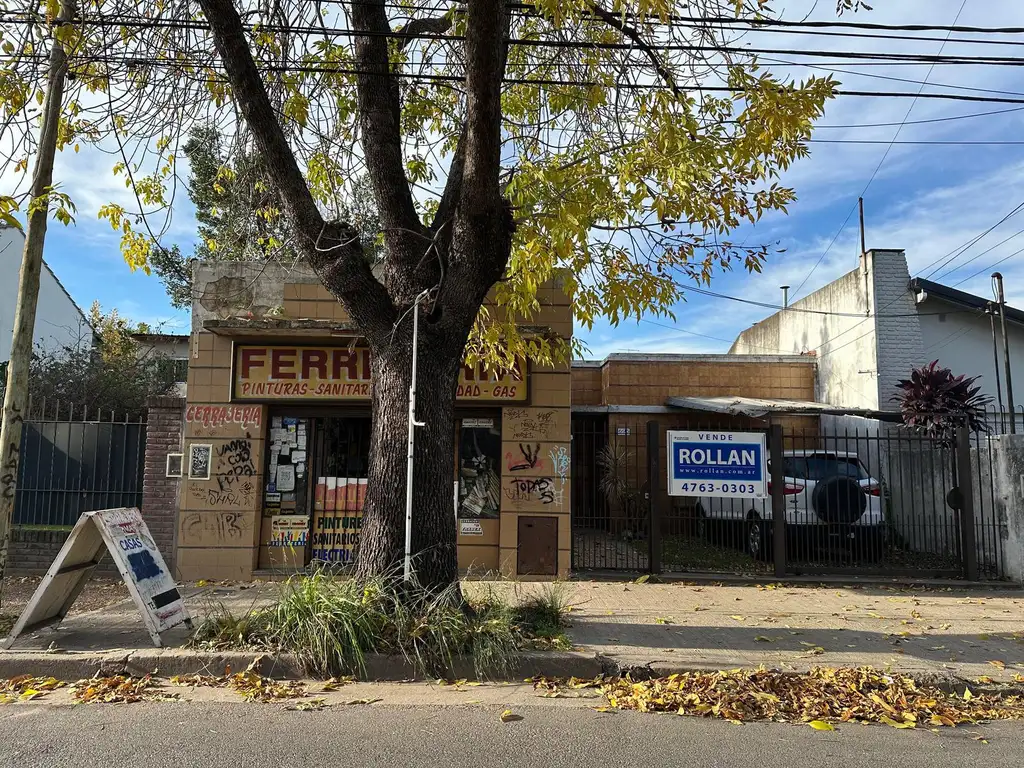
(876, 499)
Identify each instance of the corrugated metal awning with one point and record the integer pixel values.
(757, 407)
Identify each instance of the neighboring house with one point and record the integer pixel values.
(59, 321)
(169, 349)
(871, 326)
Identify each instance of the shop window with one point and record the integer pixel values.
(287, 466)
(479, 469)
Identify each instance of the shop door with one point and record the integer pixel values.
(341, 450)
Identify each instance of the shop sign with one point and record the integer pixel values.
(310, 373)
(124, 534)
(470, 528)
(720, 464)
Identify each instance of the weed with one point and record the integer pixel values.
(331, 625)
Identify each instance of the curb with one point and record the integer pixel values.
(171, 662)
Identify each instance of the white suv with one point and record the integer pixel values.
(830, 498)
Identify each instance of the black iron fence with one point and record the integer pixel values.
(872, 499)
(74, 460)
(1003, 422)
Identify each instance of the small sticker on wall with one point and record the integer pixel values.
(622, 431)
(470, 528)
(478, 423)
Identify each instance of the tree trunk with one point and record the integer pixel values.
(16, 395)
(382, 543)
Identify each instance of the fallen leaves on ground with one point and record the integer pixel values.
(571, 688)
(824, 694)
(119, 689)
(313, 705)
(249, 684)
(26, 688)
(508, 716)
(335, 683)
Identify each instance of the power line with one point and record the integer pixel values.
(978, 256)
(937, 142)
(925, 120)
(881, 162)
(956, 252)
(993, 265)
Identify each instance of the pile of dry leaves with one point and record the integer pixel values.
(821, 696)
(119, 689)
(249, 684)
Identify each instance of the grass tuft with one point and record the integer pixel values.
(332, 625)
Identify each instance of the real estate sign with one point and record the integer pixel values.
(715, 463)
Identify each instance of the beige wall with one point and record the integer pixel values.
(222, 529)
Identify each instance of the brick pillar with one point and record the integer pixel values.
(164, 428)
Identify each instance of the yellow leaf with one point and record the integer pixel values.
(29, 694)
(821, 725)
(763, 639)
(967, 694)
(985, 680)
(508, 716)
(643, 579)
(890, 722)
(602, 709)
(998, 664)
(738, 618)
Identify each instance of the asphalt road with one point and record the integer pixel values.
(201, 734)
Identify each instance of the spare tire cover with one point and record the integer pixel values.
(839, 499)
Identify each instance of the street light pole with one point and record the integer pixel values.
(407, 570)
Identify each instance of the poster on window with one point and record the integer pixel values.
(479, 471)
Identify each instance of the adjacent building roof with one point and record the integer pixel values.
(952, 296)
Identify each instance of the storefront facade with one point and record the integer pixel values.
(277, 428)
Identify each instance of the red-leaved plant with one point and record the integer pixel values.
(934, 401)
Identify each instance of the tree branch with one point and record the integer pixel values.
(254, 104)
(332, 248)
(380, 122)
(436, 25)
(617, 22)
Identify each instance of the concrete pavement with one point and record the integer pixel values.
(939, 633)
(395, 732)
(935, 633)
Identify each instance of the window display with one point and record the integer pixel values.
(479, 469)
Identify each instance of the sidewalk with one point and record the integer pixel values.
(936, 633)
(940, 632)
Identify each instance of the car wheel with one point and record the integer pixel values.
(759, 539)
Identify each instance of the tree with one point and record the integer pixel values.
(617, 142)
(935, 402)
(117, 375)
(239, 213)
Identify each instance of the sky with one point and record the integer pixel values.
(927, 199)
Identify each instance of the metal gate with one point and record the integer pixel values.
(874, 499)
(74, 461)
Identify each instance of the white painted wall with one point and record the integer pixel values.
(864, 350)
(962, 342)
(59, 322)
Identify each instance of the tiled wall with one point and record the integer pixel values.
(220, 525)
(651, 383)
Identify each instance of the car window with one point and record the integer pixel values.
(821, 466)
(796, 467)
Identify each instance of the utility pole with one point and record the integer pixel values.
(16, 395)
(990, 310)
(863, 239)
(1001, 299)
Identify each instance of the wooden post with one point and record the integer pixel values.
(16, 395)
